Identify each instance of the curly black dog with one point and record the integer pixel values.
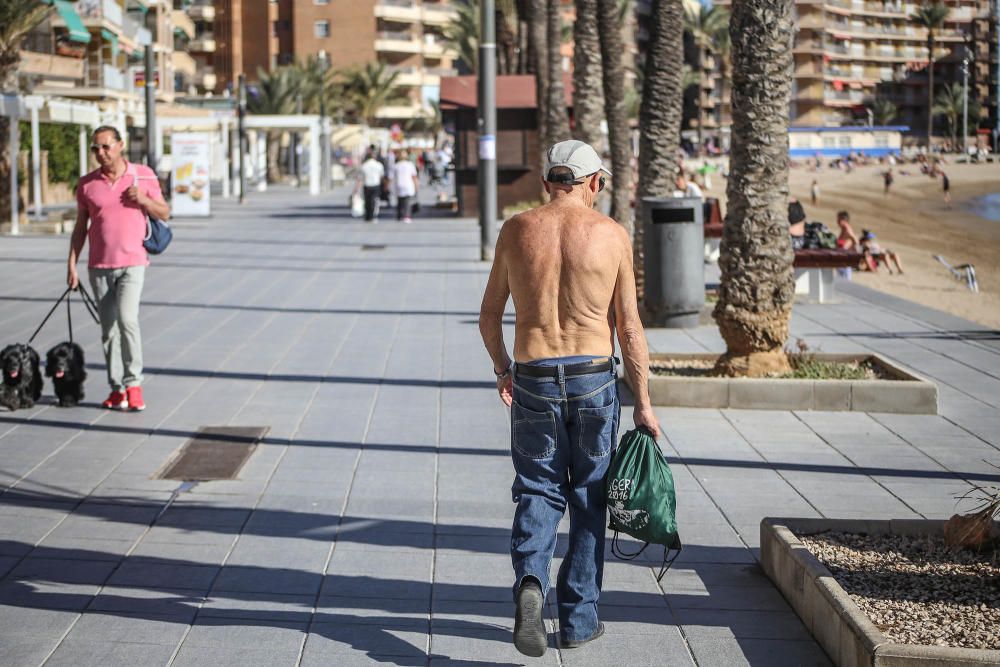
(64, 364)
(22, 382)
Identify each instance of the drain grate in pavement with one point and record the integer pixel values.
(215, 452)
(373, 246)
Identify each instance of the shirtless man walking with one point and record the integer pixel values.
(569, 271)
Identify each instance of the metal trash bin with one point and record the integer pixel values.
(674, 260)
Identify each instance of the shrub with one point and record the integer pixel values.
(62, 141)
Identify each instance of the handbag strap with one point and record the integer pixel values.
(668, 560)
(134, 173)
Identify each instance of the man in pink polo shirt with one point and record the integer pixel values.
(115, 199)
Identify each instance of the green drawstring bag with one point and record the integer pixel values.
(641, 498)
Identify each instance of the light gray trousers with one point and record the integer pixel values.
(118, 292)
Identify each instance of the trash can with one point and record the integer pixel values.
(674, 260)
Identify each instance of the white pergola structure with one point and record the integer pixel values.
(51, 110)
(308, 122)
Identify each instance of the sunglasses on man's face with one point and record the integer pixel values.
(102, 147)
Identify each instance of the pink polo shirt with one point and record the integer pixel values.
(117, 229)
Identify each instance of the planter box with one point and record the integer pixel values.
(838, 624)
(907, 392)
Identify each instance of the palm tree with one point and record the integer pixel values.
(949, 103)
(931, 16)
(588, 99)
(462, 33)
(370, 88)
(703, 23)
(275, 93)
(318, 81)
(756, 288)
(659, 112)
(17, 19)
(555, 104)
(609, 25)
(537, 53)
(883, 111)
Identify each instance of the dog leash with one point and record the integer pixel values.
(56, 305)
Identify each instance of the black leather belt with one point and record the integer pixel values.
(582, 368)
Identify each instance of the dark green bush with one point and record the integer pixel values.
(63, 144)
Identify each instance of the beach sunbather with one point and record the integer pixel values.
(875, 255)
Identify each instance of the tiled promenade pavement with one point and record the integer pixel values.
(372, 524)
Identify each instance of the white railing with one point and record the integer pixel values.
(112, 77)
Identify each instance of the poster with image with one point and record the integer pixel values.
(191, 164)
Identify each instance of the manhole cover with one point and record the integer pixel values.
(373, 246)
(216, 452)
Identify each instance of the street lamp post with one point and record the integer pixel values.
(965, 106)
(324, 130)
(487, 122)
(241, 118)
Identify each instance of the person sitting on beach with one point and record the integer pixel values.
(875, 255)
(847, 240)
(686, 187)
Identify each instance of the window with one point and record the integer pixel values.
(881, 140)
(322, 29)
(274, 28)
(844, 141)
(321, 2)
(828, 141)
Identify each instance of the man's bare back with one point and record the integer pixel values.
(562, 264)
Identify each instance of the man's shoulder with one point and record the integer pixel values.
(89, 178)
(143, 171)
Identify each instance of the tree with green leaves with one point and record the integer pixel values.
(931, 16)
(462, 34)
(369, 88)
(17, 19)
(950, 104)
(756, 289)
(883, 111)
(275, 94)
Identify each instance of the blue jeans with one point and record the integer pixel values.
(563, 431)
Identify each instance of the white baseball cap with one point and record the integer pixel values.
(579, 157)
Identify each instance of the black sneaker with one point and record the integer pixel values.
(577, 643)
(529, 628)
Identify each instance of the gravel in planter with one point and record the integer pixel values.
(917, 590)
(802, 368)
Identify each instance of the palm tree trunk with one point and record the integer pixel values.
(701, 90)
(555, 106)
(587, 97)
(930, 87)
(273, 151)
(659, 113)
(619, 138)
(756, 288)
(537, 51)
(6, 162)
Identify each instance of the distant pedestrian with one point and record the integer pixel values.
(887, 180)
(371, 178)
(116, 199)
(814, 192)
(946, 187)
(406, 181)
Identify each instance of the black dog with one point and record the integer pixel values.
(64, 364)
(22, 383)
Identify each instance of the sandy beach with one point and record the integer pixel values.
(914, 221)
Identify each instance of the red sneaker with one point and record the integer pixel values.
(116, 401)
(135, 402)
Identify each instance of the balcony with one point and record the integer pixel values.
(50, 66)
(201, 12)
(406, 75)
(397, 10)
(182, 23)
(397, 42)
(203, 44)
(98, 12)
(434, 48)
(184, 64)
(412, 111)
(439, 15)
(113, 78)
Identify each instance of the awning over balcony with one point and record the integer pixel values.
(113, 38)
(77, 31)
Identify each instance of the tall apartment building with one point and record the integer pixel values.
(233, 37)
(93, 50)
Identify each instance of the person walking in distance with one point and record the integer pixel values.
(569, 272)
(370, 179)
(405, 180)
(116, 199)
